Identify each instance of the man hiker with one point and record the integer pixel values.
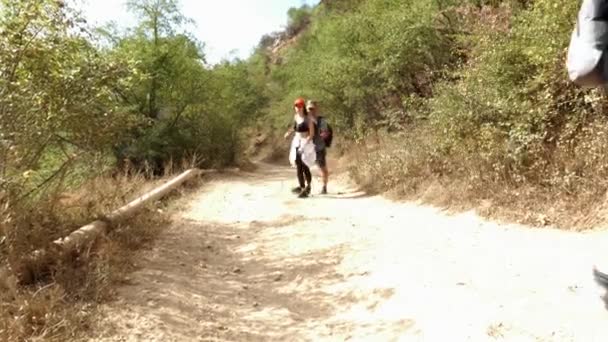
(322, 129)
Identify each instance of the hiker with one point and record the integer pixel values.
(586, 61)
(321, 131)
(301, 145)
(587, 67)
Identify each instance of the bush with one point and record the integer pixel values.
(299, 19)
(58, 304)
(507, 121)
(363, 60)
(512, 103)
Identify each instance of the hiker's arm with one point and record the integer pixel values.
(311, 131)
(288, 133)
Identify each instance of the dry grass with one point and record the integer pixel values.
(58, 305)
(410, 170)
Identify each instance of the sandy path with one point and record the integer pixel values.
(247, 261)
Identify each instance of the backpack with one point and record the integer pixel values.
(330, 133)
(586, 62)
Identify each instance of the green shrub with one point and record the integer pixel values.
(512, 101)
(362, 63)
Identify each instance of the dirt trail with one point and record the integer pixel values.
(247, 261)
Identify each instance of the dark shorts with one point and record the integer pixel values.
(321, 158)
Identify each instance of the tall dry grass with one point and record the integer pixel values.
(59, 304)
(569, 192)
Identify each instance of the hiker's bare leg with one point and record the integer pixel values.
(325, 175)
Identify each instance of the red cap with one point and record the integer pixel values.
(299, 102)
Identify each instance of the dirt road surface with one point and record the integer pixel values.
(248, 261)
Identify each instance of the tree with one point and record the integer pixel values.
(58, 99)
(191, 109)
(158, 19)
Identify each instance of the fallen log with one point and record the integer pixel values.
(154, 195)
(84, 235)
(43, 258)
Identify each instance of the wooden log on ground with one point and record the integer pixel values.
(84, 235)
(91, 231)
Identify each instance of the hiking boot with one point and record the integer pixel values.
(303, 194)
(324, 190)
(296, 190)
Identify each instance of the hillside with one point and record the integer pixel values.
(465, 104)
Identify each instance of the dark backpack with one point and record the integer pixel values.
(330, 137)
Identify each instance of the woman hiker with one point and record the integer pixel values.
(301, 146)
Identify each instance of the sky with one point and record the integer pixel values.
(229, 28)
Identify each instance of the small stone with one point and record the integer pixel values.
(279, 277)
(237, 270)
